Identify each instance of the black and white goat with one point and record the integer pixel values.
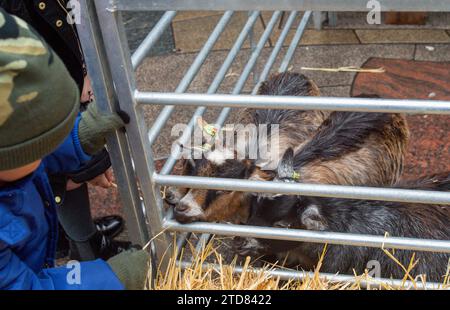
(367, 217)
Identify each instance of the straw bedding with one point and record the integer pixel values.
(203, 275)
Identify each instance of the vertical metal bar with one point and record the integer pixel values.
(317, 16)
(100, 75)
(263, 23)
(256, 51)
(119, 59)
(295, 41)
(201, 244)
(263, 76)
(170, 162)
(182, 240)
(275, 51)
(184, 84)
(332, 19)
(248, 68)
(152, 38)
(251, 39)
(187, 79)
(283, 16)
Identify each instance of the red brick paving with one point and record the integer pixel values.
(429, 147)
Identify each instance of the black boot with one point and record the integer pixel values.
(98, 246)
(109, 226)
(62, 248)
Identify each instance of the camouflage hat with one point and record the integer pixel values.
(39, 100)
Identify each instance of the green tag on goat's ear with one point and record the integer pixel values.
(295, 176)
(210, 130)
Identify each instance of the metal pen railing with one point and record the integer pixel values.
(112, 69)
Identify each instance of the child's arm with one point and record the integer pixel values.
(16, 275)
(69, 156)
(87, 138)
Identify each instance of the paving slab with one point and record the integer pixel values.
(191, 35)
(188, 15)
(335, 91)
(358, 20)
(139, 24)
(328, 36)
(433, 52)
(402, 36)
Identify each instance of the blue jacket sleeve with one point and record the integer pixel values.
(69, 156)
(94, 275)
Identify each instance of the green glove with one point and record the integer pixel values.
(131, 267)
(94, 127)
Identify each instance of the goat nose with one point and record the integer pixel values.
(169, 195)
(181, 207)
(238, 241)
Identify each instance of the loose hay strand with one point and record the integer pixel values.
(346, 69)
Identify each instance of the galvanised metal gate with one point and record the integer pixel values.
(112, 70)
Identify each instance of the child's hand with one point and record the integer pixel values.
(105, 180)
(71, 185)
(131, 267)
(94, 127)
(87, 94)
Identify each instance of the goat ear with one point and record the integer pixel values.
(312, 219)
(282, 224)
(249, 168)
(191, 162)
(286, 165)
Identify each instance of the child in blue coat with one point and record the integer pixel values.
(41, 132)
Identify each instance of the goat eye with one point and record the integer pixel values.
(282, 224)
(222, 192)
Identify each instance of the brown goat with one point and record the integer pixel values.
(375, 160)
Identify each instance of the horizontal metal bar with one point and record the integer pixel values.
(287, 274)
(285, 5)
(190, 75)
(318, 190)
(413, 244)
(153, 37)
(295, 40)
(297, 103)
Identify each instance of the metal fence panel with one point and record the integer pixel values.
(112, 69)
